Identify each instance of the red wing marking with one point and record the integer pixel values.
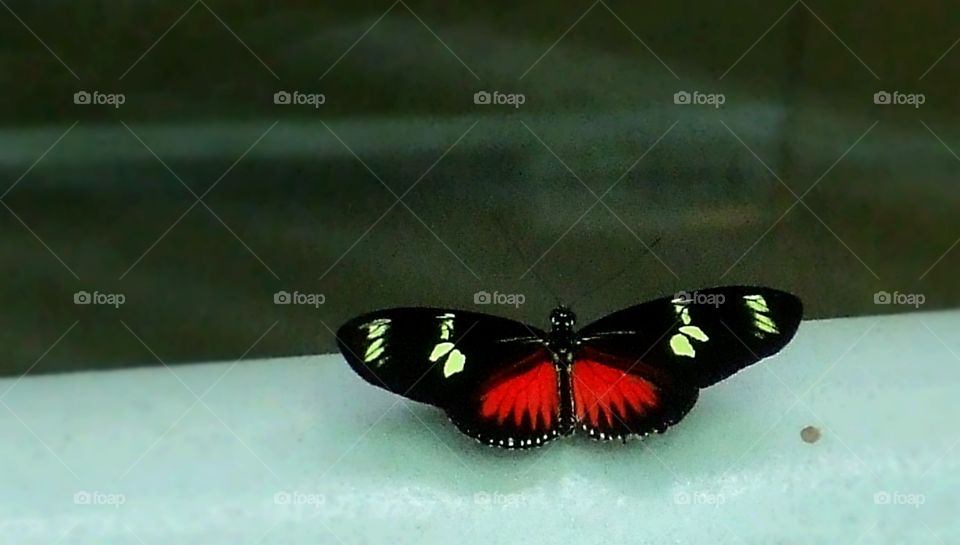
(603, 391)
(532, 393)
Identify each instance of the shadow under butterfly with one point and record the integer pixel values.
(633, 372)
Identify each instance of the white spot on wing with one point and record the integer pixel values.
(446, 326)
(374, 350)
(376, 329)
(455, 363)
(455, 360)
(681, 346)
(694, 332)
(440, 350)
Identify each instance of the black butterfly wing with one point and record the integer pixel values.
(676, 345)
(706, 335)
(493, 376)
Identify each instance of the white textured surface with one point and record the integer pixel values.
(299, 450)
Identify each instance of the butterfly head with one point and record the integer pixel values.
(562, 319)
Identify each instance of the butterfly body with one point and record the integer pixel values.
(562, 343)
(507, 384)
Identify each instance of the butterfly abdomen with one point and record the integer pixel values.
(567, 421)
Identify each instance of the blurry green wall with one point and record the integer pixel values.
(103, 200)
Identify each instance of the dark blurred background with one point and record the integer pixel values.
(100, 198)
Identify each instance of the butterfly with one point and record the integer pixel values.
(633, 372)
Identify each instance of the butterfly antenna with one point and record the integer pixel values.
(620, 272)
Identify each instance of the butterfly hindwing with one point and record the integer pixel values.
(616, 397)
(518, 407)
(701, 337)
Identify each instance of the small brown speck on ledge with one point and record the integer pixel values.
(810, 434)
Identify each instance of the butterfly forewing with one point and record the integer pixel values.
(701, 337)
(432, 355)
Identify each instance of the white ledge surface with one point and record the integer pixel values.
(301, 451)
